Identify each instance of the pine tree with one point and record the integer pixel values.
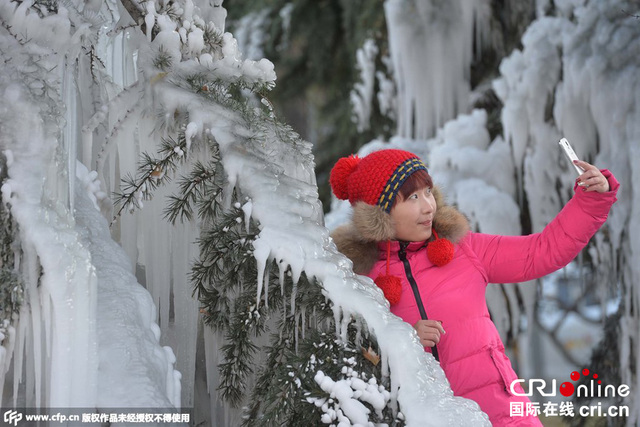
(11, 289)
(296, 316)
(291, 312)
(314, 46)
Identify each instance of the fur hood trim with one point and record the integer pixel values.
(370, 225)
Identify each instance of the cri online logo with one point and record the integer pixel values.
(568, 389)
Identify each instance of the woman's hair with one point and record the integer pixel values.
(415, 181)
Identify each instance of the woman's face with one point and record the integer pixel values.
(413, 216)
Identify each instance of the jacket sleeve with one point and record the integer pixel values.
(512, 259)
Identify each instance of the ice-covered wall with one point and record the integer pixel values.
(431, 46)
(362, 94)
(86, 327)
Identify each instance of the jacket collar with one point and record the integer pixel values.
(396, 245)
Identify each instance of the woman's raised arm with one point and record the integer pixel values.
(512, 259)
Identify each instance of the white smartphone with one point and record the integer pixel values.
(571, 155)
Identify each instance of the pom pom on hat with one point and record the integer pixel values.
(339, 174)
(440, 251)
(391, 287)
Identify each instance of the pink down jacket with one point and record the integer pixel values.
(471, 352)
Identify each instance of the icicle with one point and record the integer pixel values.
(294, 294)
(189, 134)
(19, 352)
(282, 269)
(284, 316)
(8, 346)
(362, 93)
(150, 18)
(337, 319)
(303, 311)
(228, 190)
(184, 249)
(344, 327)
(70, 142)
(246, 208)
(267, 276)
(358, 340)
(35, 323)
(157, 256)
(394, 386)
(384, 366)
(431, 92)
(296, 332)
(315, 318)
(121, 129)
(261, 252)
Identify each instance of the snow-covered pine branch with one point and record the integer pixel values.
(268, 275)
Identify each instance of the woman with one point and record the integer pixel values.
(434, 271)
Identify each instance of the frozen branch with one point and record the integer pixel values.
(137, 14)
(135, 10)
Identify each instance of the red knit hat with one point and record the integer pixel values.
(375, 180)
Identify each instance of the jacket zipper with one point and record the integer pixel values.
(402, 254)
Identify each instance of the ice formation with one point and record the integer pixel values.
(73, 338)
(431, 46)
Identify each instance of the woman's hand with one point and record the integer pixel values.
(592, 179)
(429, 332)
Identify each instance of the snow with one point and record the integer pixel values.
(52, 30)
(196, 41)
(343, 404)
(354, 411)
(133, 369)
